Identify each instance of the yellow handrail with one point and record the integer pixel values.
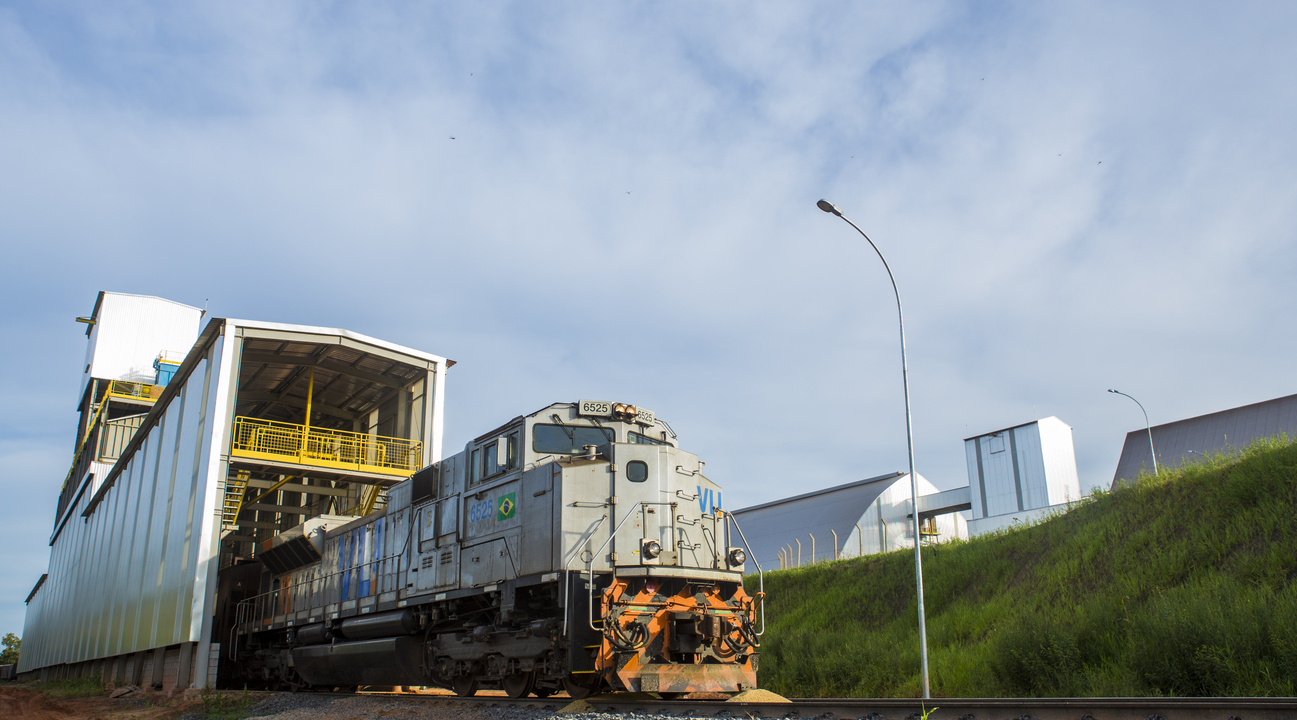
(272, 440)
(133, 391)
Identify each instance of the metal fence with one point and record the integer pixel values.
(269, 439)
(133, 391)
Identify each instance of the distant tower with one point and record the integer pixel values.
(1019, 473)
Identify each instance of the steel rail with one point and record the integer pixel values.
(1247, 708)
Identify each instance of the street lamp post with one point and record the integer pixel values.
(1151, 451)
(830, 208)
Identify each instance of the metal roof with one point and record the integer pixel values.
(837, 509)
(275, 376)
(1012, 427)
(1177, 442)
(825, 491)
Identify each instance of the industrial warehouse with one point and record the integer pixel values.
(198, 442)
(1016, 475)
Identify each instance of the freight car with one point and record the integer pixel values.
(575, 548)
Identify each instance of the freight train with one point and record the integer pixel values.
(577, 548)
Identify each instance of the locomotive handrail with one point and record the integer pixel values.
(761, 576)
(255, 608)
(410, 533)
(589, 565)
(567, 572)
(252, 609)
(716, 556)
(234, 638)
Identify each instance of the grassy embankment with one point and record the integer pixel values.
(1181, 585)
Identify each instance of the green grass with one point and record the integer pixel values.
(223, 706)
(92, 686)
(1180, 585)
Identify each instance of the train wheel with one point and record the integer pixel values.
(575, 690)
(464, 685)
(518, 686)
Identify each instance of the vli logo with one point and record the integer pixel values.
(705, 500)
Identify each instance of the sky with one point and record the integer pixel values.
(616, 201)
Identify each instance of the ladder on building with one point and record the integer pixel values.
(370, 499)
(235, 488)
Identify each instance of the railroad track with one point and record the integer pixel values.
(910, 709)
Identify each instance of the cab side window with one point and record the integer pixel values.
(496, 457)
(637, 471)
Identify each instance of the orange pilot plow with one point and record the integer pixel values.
(675, 636)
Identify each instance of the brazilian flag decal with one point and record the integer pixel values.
(507, 507)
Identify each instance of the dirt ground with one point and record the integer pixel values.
(21, 703)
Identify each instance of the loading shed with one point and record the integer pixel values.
(257, 427)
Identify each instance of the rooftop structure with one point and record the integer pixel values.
(242, 431)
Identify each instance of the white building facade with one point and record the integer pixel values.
(1020, 474)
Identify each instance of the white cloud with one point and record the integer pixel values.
(1071, 199)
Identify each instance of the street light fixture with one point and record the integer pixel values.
(830, 208)
(1146, 425)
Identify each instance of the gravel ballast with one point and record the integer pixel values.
(305, 706)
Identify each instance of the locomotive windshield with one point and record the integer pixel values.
(642, 439)
(568, 439)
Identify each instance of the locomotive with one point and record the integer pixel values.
(575, 548)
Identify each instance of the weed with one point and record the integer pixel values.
(1184, 583)
(220, 706)
(71, 687)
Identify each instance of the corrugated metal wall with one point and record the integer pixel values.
(134, 560)
(1216, 432)
(130, 331)
(1022, 468)
(131, 575)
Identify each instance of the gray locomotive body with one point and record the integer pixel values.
(577, 547)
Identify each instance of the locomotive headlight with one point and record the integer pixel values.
(622, 411)
(652, 549)
(736, 557)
